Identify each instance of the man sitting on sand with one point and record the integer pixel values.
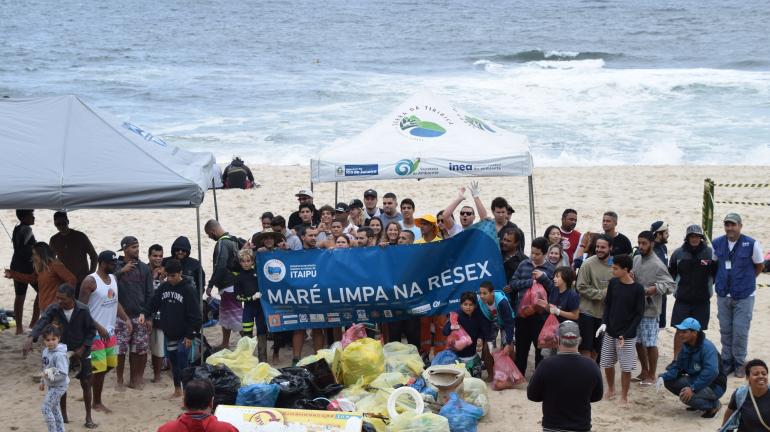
(198, 401)
(695, 375)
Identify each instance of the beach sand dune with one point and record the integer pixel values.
(640, 195)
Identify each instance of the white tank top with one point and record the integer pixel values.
(103, 302)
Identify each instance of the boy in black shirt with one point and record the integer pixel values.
(623, 311)
(180, 318)
(247, 291)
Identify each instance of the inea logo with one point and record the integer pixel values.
(460, 167)
(274, 270)
(406, 167)
(421, 128)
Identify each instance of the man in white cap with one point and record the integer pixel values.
(739, 262)
(304, 196)
(566, 384)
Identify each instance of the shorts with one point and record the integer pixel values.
(588, 326)
(104, 355)
(612, 353)
(136, 342)
(84, 368)
(647, 334)
(20, 288)
(699, 311)
(157, 343)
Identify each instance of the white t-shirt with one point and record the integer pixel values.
(68, 313)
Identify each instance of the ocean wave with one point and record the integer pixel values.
(554, 55)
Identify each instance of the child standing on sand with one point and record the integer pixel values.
(55, 378)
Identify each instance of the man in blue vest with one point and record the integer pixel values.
(739, 260)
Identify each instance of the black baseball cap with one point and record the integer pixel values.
(107, 255)
(370, 193)
(128, 241)
(356, 203)
(341, 207)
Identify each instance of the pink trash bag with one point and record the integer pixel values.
(547, 338)
(354, 333)
(528, 305)
(507, 375)
(458, 339)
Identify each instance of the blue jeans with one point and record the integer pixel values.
(178, 355)
(734, 323)
(705, 399)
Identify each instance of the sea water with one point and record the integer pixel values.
(590, 82)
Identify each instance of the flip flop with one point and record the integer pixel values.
(91, 425)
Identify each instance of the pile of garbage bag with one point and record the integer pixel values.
(361, 377)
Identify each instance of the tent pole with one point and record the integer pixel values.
(531, 207)
(200, 275)
(336, 190)
(216, 208)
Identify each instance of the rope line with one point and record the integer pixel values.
(744, 185)
(743, 203)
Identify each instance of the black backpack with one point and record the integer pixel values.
(233, 264)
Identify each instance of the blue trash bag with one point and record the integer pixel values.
(462, 416)
(258, 395)
(420, 386)
(446, 357)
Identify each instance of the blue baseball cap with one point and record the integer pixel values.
(689, 324)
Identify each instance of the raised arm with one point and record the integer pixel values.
(449, 222)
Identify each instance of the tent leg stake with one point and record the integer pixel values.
(216, 208)
(531, 207)
(200, 274)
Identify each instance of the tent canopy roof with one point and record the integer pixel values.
(425, 137)
(59, 153)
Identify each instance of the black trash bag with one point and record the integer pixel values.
(295, 383)
(225, 382)
(299, 383)
(318, 404)
(368, 427)
(322, 373)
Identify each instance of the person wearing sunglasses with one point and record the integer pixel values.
(449, 227)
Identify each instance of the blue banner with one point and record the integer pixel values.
(331, 288)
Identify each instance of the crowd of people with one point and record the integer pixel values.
(608, 296)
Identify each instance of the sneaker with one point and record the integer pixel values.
(210, 323)
(713, 412)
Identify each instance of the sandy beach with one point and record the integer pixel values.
(640, 195)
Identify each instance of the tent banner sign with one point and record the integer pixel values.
(426, 168)
(332, 288)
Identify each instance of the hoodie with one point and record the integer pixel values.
(693, 269)
(701, 364)
(197, 421)
(56, 366)
(180, 314)
(650, 271)
(191, 267)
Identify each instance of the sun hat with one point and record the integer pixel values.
(430, 219)
(260, 237)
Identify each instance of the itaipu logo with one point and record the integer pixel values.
(405, 167)
(274, 270)
(421, 128)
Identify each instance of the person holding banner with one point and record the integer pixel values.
(308, 235)
(535, 269)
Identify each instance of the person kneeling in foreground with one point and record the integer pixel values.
(566, 383)
(198, 401)
(695, 376)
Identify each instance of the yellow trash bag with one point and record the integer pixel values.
(262, 374)
(326, 354)
(388, 380)
(355, 393)
(403, 358)
(411, 422)
(362, 359)
(377, 403)
(476, 393)
(239, 361)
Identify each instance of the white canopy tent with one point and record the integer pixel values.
(427, 137)
(59, 153)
